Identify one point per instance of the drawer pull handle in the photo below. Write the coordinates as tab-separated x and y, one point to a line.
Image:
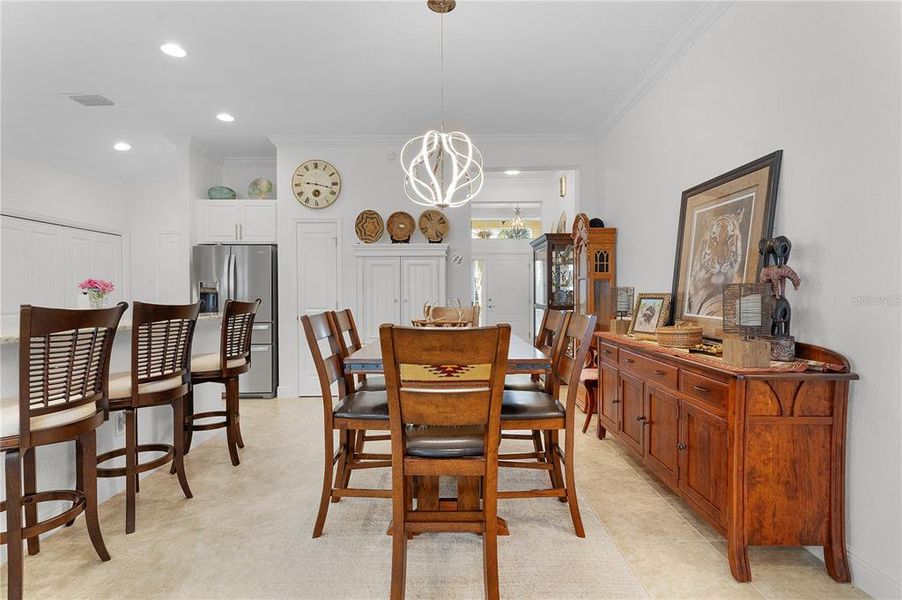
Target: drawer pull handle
681	446
629	360
701	389
606	351
659	372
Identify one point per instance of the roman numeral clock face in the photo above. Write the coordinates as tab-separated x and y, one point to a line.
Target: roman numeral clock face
316	184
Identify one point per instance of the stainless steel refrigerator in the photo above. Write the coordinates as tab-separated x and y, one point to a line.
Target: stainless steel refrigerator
244	272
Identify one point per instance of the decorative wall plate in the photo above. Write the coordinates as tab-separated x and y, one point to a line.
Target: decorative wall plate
434	225
400	227
221	192
259	188
369	226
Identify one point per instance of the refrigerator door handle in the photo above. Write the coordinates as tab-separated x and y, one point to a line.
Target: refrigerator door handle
233	277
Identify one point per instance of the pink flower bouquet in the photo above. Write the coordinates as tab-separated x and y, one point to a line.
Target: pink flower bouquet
97	290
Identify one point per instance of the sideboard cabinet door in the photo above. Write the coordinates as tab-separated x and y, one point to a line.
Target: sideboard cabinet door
608	402
662	433
380	277
703	459
632	405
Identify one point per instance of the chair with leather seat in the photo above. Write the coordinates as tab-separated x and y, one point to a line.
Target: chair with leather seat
544	412
444	400
159	376
355	411
553	322
349	342
64	363
224	367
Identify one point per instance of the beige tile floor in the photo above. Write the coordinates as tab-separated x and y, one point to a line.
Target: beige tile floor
673	553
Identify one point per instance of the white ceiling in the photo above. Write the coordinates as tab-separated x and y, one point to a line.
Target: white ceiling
319	68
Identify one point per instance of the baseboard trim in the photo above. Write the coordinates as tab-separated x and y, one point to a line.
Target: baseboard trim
287	391
872	580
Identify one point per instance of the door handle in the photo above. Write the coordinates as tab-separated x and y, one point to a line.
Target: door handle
681	446
615	401
240	231
642	419
236	231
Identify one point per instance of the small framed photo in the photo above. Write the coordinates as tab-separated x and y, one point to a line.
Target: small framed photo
651	311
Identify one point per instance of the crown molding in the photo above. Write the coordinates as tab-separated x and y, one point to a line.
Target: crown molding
686	37
249	160
398	141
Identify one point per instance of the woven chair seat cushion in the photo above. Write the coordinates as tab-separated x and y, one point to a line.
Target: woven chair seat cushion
9	416
523	383
444	442
120	385
372	383
203	363
367	405
530	405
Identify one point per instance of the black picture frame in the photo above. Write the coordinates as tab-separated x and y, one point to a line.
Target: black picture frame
773	163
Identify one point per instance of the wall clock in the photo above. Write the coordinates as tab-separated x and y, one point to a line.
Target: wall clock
316	184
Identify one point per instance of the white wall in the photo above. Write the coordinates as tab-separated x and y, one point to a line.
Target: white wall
822	82
237	173
372	179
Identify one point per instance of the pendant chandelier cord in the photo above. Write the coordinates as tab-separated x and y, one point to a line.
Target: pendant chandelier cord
441	37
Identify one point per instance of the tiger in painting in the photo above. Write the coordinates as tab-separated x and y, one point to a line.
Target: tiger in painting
718	261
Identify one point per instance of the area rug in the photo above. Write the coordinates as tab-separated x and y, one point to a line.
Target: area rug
542	557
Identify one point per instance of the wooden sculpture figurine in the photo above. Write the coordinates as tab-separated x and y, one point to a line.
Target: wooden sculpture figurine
775	272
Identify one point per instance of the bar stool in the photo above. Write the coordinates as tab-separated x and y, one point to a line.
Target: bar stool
224	367
64	363
159	375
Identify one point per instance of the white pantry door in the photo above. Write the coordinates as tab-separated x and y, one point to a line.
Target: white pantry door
318	285
508	291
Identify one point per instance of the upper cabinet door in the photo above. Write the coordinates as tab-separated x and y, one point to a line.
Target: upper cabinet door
421	282
258	222
218	221
33	266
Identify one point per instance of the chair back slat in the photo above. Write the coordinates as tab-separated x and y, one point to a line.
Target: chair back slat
64	360
161	341
575	341
319	331
444	377
553	322
237	329
348	340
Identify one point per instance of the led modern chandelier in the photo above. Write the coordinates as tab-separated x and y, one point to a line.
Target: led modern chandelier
441	170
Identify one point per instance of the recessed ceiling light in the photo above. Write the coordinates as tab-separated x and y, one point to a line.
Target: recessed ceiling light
173	50
512	172
122	146
225	117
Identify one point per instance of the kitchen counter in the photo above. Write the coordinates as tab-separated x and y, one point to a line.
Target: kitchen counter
124	325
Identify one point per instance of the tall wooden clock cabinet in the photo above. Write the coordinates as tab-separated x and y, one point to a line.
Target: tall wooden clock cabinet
595	265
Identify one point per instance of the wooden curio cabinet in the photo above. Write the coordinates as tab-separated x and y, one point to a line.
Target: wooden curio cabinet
594	260
553	272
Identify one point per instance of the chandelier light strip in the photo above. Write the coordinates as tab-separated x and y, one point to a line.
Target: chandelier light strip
427	159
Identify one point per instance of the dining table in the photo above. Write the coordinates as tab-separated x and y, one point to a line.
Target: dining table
522	357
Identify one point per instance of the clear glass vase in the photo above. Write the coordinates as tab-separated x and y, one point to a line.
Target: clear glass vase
96	299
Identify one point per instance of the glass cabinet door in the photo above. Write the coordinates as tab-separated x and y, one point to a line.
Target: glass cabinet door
540	273
561	293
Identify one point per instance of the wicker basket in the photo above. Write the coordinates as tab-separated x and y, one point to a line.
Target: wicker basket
681	335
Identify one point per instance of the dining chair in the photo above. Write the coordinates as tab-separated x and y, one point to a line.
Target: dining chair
355	411
224	367
588	379
541	411
349	342
548	340
159	376
444	402
64	364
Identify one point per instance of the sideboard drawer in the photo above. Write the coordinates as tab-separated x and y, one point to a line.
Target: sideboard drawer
608	353
656	371
705	389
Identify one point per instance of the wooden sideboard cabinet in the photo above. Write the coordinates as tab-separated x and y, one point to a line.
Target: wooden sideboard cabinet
760	456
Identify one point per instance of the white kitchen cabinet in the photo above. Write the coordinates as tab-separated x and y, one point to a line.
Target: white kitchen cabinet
247	221
394	281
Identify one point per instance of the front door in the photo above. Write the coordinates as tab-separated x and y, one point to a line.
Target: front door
506	281
318	274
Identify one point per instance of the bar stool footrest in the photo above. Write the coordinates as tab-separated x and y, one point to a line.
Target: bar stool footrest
155	463
192	426
74	496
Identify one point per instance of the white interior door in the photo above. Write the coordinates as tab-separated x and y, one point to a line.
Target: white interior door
318	281
507	281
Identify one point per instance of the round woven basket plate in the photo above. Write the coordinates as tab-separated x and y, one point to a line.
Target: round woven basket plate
369	227
400	227
434	225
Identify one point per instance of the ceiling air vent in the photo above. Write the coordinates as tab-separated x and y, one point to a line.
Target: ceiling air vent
90	99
